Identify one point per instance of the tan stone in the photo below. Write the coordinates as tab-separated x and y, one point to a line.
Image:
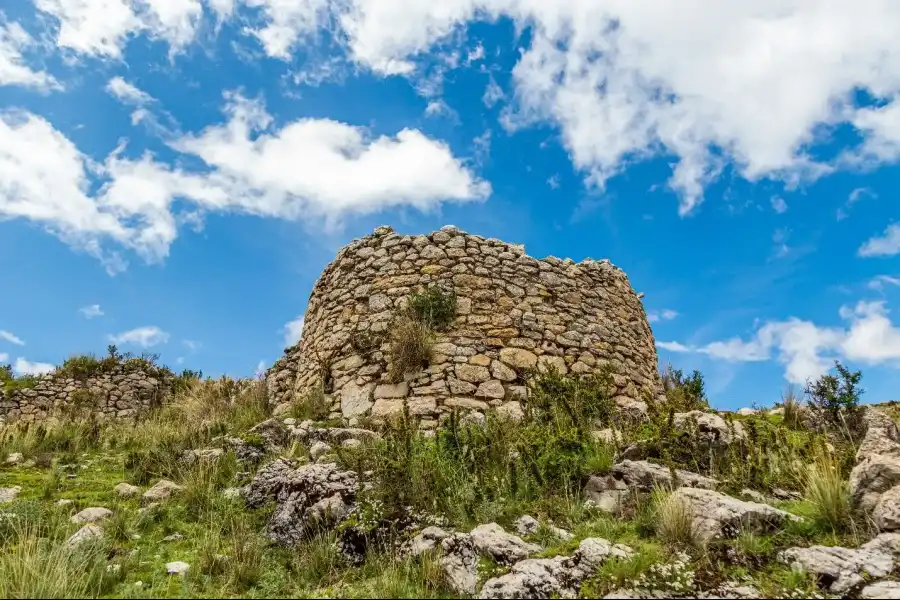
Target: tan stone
518	358
472	373
392	390
387	408
480	359
463	402
491	389
422	406
502	372
547	363
461	388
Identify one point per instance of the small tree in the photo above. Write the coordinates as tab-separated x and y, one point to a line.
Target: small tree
684	392
835	399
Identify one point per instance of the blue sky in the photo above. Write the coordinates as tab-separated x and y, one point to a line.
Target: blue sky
174	174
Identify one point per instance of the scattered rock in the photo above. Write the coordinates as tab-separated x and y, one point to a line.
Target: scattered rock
714	431
842	569
882	590
716	514
64	502
553	577
14	458
85	534
459	562
526	525
191	457
8	494
161	490
505	548
233	493
177	568
428	539
91	515
306	495
319	449
173	538
126	490
645	476
605	493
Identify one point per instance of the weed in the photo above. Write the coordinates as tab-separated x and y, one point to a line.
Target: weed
828	493
674	520
410	346
433	307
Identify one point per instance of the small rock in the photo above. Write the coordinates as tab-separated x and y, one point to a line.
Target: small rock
86	533
503	547
177	568
319	449
882	590
173	538
233	493
8	494
842	569
64	502
126	490
14	458
162	490
526	525
459	562
91	515
717	514
754	496
428	539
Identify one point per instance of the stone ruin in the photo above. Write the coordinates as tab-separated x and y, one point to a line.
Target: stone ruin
514	313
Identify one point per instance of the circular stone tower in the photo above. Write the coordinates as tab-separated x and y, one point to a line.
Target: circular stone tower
514	312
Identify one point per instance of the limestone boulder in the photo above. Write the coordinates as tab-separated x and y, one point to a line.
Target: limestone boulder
718	515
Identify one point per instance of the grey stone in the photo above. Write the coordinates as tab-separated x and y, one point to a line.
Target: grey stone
716	514
91	515
8	494
161	490
426	540
645	476
126	490
178	567
842	569
505	548
883	590
85	534
459	563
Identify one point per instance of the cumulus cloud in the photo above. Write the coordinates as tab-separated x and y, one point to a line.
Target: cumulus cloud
309	168
3	357
293	331
779	205
26	367
887	244
102	27
91	311
880	281
13	68
667	314
673	346
807	350
11	338
145	337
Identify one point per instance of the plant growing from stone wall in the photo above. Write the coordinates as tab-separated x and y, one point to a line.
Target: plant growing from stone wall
413	331
9	381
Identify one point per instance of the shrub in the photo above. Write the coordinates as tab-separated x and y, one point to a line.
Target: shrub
434	307
9	381
313	405
684	393
410	350
834	399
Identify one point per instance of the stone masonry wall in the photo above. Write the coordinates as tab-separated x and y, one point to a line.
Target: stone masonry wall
123	393
514	312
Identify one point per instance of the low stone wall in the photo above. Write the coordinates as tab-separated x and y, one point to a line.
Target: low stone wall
515	312
122	393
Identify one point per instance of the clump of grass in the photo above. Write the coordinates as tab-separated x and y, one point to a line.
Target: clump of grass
313	405
793	409
674	520
10	382
411	342
43	567
829	494
317	562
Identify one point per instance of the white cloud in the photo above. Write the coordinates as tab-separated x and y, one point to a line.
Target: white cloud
13	69
260	369
26	367
807	350
779	241
91	311
492	94
293	331
779	205
667	314
625	80
673	346
3	357
309	169
878	282
127	93
553	182
9	337
144	337
102	27
888	244
192	345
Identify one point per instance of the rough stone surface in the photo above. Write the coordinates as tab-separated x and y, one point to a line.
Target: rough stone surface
91	515
459	562
644	476
177	568
714	431
882	590
426	540
123	393
514	313
505	548
553	577
8	494
307	497
717	514
875	479
841	569
526	525
85	534
161	490
126	490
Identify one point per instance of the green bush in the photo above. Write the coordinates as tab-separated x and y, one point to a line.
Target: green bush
684	393
433	307
834	400
9	381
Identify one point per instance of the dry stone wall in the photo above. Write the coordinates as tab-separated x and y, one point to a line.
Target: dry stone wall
514	313
124	392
